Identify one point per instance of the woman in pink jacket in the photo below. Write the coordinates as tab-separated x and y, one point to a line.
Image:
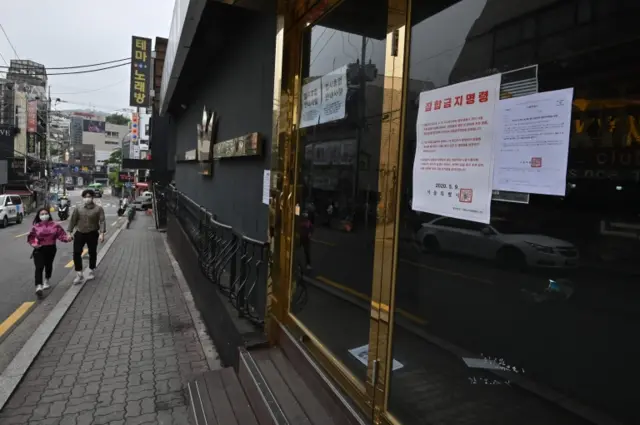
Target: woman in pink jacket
42	237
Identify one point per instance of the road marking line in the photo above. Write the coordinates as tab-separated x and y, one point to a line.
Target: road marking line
409	316
15	316
70	263
21	235
449	272
344	288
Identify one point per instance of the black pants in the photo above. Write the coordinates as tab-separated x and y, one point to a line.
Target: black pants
43	259
79	241
306	247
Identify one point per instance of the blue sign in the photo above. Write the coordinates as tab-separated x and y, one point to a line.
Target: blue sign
76	169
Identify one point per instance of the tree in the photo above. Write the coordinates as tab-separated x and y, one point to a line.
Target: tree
117	119
114	180
115	158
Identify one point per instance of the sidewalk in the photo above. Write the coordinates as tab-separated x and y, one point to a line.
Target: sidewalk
124	351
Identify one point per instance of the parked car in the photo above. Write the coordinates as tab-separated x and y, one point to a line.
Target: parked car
11	210
97	189
143	202
497	242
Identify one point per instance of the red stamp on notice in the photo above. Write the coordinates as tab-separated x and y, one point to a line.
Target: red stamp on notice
466	196
536	162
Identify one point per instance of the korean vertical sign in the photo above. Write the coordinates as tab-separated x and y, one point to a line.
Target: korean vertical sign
140	72
32	125
453	166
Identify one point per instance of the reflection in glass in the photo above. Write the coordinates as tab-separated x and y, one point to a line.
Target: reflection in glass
341	113
530	319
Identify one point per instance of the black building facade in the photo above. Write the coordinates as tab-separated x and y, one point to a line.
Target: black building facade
527	317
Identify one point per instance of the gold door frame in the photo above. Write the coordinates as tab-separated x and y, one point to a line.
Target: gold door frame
292	19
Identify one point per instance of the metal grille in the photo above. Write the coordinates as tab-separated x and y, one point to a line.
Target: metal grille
237	264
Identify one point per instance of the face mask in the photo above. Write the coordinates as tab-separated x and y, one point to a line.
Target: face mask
44	217
87	201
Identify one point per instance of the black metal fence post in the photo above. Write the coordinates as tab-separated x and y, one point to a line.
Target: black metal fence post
223	253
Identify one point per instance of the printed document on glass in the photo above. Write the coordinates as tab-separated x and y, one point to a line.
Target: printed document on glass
266	187
311	103
532	143
452	170
334	95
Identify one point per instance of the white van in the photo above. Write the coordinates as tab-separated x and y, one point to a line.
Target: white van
11	210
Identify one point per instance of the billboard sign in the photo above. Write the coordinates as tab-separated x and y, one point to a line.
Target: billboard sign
32	116
140	72
124	176
31	143
92	126
135	127
7	109
144	127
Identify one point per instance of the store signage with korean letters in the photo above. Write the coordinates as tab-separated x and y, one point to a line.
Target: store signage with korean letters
471	144
247	145
140	72
32	116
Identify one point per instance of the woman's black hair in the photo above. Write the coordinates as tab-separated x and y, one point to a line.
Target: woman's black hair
88	192
36	219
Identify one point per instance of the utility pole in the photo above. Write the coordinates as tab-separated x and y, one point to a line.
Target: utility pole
362	86
48	142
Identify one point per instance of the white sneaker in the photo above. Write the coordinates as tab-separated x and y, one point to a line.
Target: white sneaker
45	285
39	289
90	275
79	278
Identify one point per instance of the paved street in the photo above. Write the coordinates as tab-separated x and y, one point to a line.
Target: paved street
125	349
17	270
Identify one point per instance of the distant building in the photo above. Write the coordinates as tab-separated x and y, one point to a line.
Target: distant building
27	72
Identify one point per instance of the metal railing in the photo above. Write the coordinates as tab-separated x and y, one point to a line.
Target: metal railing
236	263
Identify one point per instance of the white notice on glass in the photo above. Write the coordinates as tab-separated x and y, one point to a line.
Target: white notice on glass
311	103
452	171
532	143
362	354
334	95
266	187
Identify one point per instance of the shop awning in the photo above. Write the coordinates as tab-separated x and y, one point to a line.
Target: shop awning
142	185
19	192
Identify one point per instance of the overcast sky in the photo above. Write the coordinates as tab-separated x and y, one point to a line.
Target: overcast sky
60	33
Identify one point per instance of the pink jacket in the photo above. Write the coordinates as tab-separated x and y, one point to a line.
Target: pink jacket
46	233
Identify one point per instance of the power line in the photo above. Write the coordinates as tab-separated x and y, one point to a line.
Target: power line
94	90
10	43
91	65
325	45
90	70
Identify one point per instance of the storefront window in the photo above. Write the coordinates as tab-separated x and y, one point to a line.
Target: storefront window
531	317
341	113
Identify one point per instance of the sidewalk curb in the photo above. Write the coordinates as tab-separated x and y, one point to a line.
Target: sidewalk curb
15	371
210	352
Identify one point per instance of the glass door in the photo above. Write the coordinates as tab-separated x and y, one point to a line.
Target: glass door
345	175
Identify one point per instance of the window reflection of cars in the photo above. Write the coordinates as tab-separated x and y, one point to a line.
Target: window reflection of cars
496	242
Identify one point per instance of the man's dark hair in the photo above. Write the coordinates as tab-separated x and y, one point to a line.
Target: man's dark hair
88	192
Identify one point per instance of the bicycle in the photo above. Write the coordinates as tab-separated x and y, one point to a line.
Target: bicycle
299	295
